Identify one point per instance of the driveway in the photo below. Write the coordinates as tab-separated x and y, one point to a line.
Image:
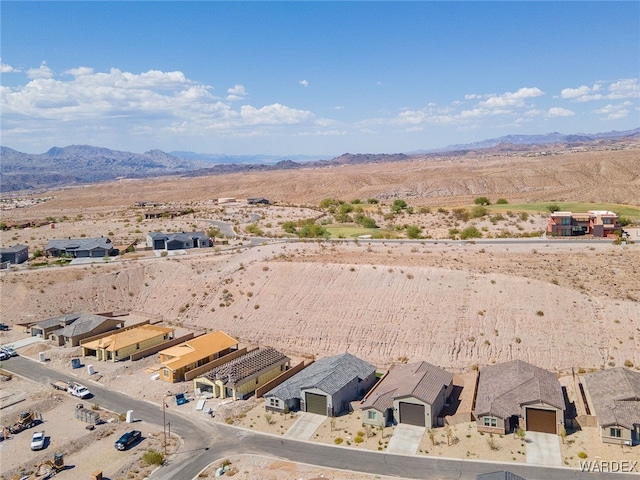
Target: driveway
543	449
406	439
305	426
24	342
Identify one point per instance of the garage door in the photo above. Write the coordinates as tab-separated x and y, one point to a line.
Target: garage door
541	420
316	403
412	414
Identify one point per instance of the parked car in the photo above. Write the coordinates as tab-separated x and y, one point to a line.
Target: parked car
180	399
3	355
128	439
9	351
37	441
4	327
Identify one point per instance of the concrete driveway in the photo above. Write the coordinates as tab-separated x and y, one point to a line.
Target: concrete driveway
543	449
405	439
305	426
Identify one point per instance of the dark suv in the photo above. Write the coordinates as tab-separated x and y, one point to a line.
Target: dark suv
128	439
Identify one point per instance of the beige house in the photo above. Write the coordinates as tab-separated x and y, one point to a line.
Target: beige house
240	377
121	344
517	394
409	393
180	359
615	398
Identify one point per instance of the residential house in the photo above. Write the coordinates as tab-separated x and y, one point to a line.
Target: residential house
178	360
178	241
325	387
615	397
598	223
121	344
167	213
14	255
411	393
239	378
70	329
81	247
517	394
258	201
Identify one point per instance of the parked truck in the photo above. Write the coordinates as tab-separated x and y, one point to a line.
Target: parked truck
73	388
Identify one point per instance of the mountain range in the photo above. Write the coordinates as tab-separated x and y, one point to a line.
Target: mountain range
82	164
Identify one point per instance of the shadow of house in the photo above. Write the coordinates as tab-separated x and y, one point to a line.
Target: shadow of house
326	387
412	393
69	330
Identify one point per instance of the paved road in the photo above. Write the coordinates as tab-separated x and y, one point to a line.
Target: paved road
206	441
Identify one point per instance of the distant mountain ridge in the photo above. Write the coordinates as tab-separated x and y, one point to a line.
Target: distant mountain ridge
82	164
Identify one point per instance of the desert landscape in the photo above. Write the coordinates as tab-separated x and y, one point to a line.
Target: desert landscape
460	304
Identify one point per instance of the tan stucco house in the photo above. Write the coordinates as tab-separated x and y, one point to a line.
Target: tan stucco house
615	397
240	377
194	353
121	344
517	394
411	393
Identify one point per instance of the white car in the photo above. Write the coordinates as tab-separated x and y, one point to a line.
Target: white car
9	351
37	441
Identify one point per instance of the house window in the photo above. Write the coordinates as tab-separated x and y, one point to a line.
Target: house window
273	402
165	372
566	221
137	346
371	415
490	422
615	432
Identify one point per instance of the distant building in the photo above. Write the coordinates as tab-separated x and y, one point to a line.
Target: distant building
258	201
15	255
178	241
599	223
72	328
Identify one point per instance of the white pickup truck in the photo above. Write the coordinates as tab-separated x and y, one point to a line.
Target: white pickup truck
73	388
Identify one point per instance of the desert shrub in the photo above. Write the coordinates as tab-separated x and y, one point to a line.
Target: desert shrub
460	214
338	440
501	201
553	207
398	205
478	211
358	439
413	231
372	201
582	455
540	313
470	232
153	457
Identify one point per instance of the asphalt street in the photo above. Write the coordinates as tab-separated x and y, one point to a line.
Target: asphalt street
207	441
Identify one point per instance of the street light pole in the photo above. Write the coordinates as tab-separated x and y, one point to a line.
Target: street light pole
164	424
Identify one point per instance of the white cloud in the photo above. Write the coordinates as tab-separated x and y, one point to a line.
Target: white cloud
237	92
275	114
627	88
4	68
512	99
304	83
623	88
42	72
559	112
614	112
78	72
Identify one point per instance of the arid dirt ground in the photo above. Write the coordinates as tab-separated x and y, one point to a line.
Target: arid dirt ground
559	305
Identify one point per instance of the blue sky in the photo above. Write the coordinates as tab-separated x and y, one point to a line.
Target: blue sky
318	78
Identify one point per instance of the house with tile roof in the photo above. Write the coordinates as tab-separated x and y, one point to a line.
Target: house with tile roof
325	387
239	378
120	345
70	329
517	394
80	247
615	397
185	357
411	393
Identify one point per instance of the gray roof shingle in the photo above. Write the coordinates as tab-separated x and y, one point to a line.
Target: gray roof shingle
421	380
615	394
329	374
505	387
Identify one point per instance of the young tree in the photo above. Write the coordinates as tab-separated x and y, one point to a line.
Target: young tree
482	201
398	205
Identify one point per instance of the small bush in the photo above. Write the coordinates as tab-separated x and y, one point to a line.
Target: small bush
540	313
153	457
582	455
501	201
358	439
338	440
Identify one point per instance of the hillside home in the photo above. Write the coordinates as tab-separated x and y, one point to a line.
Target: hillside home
599	223
14	255
239	378
326	387
194	353
69	330
615	397
409	393
121	344
178	241
80	247
517	394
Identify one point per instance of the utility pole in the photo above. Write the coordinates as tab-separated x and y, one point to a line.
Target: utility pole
164	423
